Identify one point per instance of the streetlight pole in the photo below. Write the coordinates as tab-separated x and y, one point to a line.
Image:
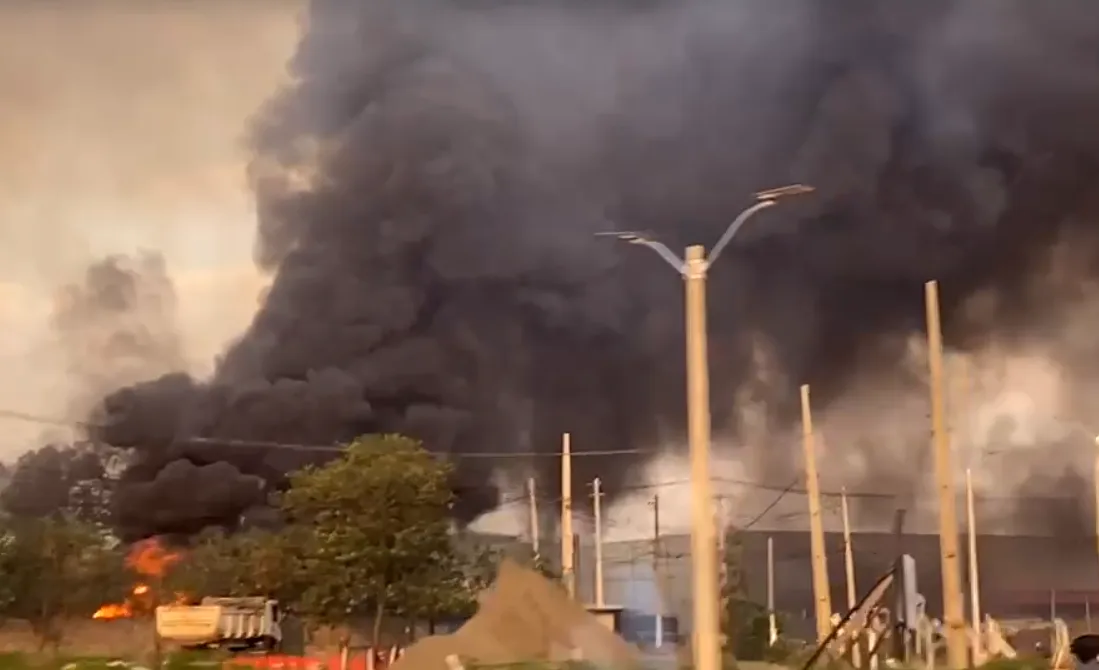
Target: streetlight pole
707	617
694	268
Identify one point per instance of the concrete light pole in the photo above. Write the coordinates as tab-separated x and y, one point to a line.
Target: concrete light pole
694	268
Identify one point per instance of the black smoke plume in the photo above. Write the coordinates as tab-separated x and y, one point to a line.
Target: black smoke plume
114	326
429	181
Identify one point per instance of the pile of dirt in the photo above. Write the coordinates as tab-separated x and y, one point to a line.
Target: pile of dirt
524	617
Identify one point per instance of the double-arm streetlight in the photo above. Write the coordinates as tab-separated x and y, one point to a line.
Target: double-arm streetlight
694	268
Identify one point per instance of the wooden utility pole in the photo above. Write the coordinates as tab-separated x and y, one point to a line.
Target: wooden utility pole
959	411
598	513
772	621
567	541
849	568
532	499
953	610
821	590
974	578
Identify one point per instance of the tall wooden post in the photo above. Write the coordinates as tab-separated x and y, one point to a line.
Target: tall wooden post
953	610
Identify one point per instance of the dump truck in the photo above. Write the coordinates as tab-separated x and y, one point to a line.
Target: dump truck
234	624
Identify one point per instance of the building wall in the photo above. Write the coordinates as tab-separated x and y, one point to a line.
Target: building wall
1019	576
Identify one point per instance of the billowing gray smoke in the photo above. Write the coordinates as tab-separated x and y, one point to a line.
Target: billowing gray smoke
429	184
117	326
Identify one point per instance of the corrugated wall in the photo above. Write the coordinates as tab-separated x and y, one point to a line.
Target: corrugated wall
1018	574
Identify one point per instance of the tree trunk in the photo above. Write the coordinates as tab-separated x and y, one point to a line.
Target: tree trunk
47	636
379	612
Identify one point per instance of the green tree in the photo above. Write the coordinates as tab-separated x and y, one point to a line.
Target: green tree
69	480
379	533
447	590
56	567
249	563
744	623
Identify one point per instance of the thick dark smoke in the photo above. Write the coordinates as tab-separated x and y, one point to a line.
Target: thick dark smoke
114	326
429	183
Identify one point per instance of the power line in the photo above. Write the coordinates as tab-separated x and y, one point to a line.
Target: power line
757	518
49	421
260	444
330	448
291	446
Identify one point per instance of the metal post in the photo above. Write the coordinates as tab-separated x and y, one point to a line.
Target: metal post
822	595
974	578
535	546
772	622
598	512
953	610
849	568
657	572
567	540
1095	483
707	650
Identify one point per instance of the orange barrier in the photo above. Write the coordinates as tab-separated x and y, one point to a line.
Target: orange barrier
364	659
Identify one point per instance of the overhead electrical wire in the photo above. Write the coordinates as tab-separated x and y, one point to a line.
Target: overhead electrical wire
17	415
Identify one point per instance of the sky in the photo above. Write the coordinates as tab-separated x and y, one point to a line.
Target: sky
122	129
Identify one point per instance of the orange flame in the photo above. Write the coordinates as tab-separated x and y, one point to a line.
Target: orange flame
113	611
150	559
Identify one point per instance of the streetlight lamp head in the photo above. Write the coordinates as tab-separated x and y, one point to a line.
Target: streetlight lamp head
783	192
631	236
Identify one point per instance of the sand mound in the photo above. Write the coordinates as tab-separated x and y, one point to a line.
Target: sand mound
524	617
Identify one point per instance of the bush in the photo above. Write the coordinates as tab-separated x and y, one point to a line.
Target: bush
13	661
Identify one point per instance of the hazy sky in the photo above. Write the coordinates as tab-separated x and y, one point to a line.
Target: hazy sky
121	129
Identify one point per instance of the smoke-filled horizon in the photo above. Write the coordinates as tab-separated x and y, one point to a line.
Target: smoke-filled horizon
123	129
429	182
